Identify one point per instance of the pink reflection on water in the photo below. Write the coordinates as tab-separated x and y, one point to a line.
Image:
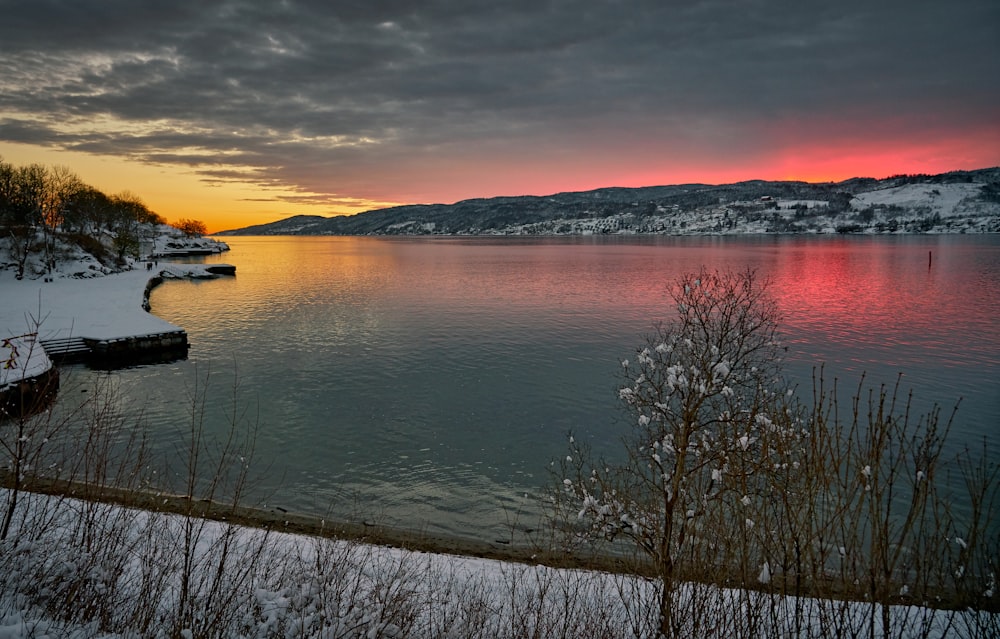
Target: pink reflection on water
895	304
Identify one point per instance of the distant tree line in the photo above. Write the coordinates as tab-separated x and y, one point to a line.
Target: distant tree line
39	204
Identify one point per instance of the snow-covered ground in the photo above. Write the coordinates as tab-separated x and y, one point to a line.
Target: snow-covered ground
909	208
170	242
21	357
130	579
81	297
948	200
102	308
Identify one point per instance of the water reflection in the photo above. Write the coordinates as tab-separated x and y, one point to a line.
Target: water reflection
882	307
432	381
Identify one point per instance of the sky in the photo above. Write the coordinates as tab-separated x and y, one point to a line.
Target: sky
241	112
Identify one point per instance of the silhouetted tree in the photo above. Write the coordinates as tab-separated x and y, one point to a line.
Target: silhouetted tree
128	212
190	228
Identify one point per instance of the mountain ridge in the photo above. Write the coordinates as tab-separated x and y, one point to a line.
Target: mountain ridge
953	202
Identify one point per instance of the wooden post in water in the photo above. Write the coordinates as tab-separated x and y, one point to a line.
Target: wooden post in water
930	256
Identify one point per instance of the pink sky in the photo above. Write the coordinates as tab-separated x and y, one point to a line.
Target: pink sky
262	111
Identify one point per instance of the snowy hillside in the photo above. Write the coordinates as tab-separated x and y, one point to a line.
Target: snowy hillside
957	202
80	257
947	200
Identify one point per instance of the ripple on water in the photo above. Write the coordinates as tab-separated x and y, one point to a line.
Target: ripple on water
433	382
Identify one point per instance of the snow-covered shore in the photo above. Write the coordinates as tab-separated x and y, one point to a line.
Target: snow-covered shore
176	576
103	308
21	358
171	245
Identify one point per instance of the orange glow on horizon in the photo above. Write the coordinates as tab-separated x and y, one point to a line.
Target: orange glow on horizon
175	192
813	152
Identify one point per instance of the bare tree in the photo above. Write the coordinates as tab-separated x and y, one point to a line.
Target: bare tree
190	228
23	214
129	211
60	187
708	408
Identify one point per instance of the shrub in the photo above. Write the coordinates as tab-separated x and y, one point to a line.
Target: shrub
727	479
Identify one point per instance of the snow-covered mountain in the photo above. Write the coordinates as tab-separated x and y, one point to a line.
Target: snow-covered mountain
956	202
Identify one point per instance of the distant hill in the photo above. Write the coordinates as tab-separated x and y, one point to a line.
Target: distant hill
288	226
956	202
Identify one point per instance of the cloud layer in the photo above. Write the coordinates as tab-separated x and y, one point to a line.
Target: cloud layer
435	101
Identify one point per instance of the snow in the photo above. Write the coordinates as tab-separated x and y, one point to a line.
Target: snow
430	588
945	199
809	204
21	357
170	242
765	574
100	308
105	307
959	205
278	584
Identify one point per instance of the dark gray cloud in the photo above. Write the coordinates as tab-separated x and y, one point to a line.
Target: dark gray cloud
312	93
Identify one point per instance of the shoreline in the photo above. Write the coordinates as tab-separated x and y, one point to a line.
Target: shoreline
103	321
280	520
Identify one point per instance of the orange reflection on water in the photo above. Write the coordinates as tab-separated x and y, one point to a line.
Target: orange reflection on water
351	313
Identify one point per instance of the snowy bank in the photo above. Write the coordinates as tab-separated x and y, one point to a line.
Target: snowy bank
27	376
21	357
161	575
97	310
171	243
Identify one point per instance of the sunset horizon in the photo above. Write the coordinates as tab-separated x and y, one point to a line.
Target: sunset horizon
178	194
242	114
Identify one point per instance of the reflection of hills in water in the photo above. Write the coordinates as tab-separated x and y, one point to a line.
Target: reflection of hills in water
957	202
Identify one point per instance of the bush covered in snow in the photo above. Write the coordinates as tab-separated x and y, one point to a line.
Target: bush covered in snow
727	478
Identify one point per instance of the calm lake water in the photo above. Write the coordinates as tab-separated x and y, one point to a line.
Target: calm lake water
429	383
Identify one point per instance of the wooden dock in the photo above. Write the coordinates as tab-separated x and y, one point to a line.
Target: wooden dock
118	352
